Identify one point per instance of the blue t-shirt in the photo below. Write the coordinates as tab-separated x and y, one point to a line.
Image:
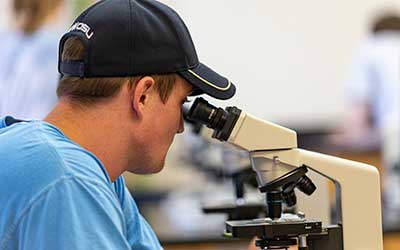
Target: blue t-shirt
56	195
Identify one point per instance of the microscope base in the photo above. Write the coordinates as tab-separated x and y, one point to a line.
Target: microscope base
281	235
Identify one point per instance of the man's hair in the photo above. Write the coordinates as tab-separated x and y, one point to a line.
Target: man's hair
90	90
33	13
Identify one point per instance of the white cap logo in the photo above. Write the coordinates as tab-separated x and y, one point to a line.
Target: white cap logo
82	27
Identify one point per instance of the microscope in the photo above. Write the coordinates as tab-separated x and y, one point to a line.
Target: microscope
281	168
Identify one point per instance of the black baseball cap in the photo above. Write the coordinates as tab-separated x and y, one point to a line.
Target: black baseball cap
139	37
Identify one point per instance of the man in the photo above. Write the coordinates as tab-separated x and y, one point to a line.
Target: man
127	66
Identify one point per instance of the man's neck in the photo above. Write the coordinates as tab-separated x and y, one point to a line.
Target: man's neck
87	127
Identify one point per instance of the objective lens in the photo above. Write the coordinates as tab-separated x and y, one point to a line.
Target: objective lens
290	198
306	185
274	202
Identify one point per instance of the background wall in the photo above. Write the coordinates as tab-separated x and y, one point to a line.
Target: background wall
4	13
288	59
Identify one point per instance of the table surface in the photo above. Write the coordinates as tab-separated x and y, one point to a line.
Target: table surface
391	241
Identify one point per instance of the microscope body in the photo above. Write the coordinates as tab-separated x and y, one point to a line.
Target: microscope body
281	166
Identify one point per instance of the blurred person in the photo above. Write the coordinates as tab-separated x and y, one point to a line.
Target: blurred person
127	68
28	58
373	114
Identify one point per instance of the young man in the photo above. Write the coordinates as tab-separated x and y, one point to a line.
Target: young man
127	66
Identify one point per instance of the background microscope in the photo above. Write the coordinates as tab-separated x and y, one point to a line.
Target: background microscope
226	163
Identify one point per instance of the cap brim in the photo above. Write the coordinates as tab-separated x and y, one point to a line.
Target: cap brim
207	81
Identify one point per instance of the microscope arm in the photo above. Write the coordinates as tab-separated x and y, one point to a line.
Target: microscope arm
273	152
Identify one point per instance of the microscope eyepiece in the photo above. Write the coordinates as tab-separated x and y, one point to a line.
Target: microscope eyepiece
207	114
220	120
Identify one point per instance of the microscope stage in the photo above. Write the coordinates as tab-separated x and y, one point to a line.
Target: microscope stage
272	229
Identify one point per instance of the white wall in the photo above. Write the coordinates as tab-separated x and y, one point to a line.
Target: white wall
288	59
4	13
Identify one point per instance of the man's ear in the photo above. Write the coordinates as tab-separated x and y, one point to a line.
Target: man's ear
141	94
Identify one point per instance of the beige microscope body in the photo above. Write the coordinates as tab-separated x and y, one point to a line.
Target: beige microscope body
273	153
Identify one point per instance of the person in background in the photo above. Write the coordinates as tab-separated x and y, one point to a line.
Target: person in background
28	58
373	115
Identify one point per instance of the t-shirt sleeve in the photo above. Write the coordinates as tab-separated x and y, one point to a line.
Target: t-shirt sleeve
140	235
73	214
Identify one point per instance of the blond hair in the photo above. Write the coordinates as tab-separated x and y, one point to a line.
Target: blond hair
33	13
